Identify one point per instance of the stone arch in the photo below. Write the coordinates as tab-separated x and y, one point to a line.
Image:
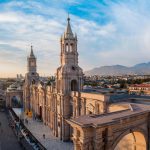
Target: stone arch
137	137
16	101
74	85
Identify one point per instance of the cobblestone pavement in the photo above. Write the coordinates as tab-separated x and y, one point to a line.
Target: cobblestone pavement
50	142
8	140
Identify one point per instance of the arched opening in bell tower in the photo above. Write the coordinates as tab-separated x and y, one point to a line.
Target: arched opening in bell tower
74	85
67	47
71	47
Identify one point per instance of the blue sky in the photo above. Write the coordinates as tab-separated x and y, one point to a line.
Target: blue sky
109	32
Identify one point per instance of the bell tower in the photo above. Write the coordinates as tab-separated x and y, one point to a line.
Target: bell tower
31	77
68	78
69	54
69	74
31	62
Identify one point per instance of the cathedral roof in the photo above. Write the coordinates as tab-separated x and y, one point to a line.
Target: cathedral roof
31	53
68	33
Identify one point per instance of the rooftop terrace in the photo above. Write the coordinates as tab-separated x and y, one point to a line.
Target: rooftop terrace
110	118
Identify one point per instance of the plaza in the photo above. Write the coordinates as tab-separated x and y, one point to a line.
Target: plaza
50	142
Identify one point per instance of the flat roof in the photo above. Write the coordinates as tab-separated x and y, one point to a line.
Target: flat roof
140	85
110	118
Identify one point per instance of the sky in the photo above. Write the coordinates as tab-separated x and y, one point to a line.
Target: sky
109	32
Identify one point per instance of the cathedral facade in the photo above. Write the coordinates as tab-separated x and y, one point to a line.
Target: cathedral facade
63	99
93	121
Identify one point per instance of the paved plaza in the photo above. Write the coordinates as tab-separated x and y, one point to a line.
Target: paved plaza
50	142
8	140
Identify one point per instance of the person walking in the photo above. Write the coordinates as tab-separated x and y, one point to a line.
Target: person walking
43	136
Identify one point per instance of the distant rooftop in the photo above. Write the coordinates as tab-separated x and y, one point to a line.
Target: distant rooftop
125	97
103	90
140	85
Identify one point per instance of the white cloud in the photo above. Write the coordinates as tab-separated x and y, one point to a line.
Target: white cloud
124	39
8	18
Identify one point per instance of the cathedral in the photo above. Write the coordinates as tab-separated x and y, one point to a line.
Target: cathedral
92	120
53	103
63	99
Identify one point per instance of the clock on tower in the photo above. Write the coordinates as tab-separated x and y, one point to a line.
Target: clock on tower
32	64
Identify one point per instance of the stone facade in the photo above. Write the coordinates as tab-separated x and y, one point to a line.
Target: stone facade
62	105
31	77
128	129
14	95
139	89
63	99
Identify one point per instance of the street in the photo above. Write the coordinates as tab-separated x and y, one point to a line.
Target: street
8	140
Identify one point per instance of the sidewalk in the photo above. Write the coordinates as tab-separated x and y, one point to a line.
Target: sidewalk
50	142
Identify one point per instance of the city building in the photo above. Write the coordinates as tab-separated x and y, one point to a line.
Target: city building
63	98
14	95
140	89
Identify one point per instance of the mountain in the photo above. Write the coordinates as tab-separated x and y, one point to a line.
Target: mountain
140	69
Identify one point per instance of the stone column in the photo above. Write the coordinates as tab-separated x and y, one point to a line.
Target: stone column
99	139
77	106
65	130
109	136
76	142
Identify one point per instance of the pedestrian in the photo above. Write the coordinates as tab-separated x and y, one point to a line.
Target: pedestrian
26	121
43	136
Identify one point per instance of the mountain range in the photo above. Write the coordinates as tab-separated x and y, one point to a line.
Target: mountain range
139	69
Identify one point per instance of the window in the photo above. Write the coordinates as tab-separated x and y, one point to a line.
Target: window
74	85
67	48
71	48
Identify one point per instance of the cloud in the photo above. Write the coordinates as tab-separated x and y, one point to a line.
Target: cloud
114	32
129	43
8	18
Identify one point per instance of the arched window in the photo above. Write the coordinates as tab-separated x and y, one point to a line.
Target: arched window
71	47
67	47
74	85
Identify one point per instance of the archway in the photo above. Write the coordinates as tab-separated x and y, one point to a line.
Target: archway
16	102
132	141
74	85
